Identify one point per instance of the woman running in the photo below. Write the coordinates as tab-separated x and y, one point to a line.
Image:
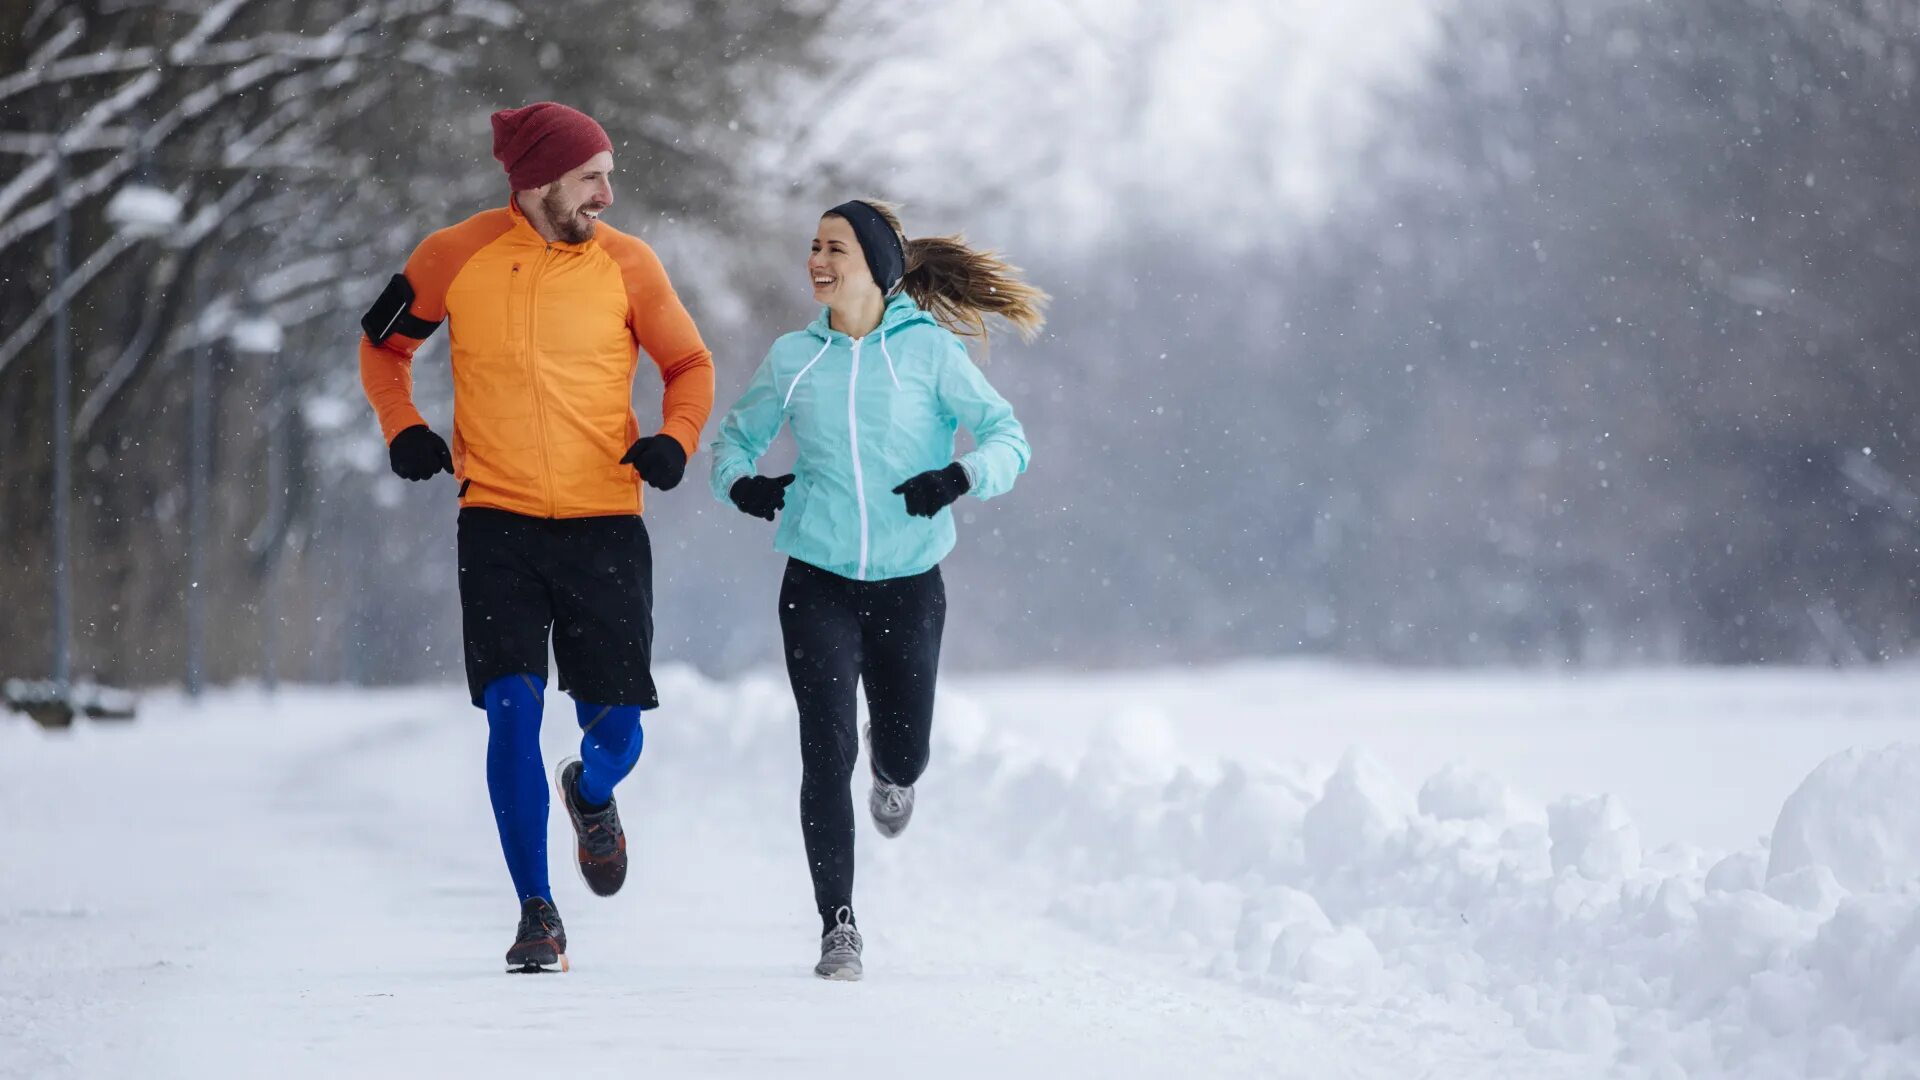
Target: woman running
874	390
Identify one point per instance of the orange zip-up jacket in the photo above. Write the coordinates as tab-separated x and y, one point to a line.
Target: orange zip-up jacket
543	354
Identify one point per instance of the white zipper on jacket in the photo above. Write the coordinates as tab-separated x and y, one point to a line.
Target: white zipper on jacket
853	437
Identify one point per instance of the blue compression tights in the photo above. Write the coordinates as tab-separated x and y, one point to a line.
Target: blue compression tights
610	741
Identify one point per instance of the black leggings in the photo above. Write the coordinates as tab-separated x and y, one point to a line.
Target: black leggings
885	634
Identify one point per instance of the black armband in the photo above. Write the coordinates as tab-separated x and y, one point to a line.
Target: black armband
391	314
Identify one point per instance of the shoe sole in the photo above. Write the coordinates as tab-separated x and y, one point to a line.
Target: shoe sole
554	968
838	976
560	790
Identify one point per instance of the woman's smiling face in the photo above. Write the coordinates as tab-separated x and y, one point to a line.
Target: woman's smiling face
838	266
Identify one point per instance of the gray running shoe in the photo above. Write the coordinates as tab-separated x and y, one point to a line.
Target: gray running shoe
840	950
890	804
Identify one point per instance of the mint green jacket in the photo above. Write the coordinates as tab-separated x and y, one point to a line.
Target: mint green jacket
868	413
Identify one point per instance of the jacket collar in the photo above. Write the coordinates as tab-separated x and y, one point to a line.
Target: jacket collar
900	311
532	235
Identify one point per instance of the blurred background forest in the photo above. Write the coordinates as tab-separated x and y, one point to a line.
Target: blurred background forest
1480	332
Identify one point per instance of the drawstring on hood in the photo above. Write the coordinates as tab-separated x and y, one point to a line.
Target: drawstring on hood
889	356
795	384
901	312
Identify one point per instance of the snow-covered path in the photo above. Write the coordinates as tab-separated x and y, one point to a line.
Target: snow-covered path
310	886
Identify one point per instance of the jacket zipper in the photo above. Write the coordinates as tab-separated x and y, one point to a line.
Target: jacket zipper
533	377
853	437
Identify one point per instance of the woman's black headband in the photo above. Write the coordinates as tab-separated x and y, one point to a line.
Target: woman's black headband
885	257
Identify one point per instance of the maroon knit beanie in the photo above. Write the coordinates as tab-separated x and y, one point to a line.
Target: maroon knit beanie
539	143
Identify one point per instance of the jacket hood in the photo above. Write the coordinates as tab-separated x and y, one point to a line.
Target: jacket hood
901	312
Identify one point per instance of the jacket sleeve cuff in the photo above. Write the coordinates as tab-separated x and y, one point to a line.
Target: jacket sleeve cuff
685	434
724	478
396	420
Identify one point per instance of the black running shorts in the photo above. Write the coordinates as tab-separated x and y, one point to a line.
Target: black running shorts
587	582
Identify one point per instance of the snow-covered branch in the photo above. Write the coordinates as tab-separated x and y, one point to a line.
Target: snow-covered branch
102	258
41	170
137	349
260	60
193	234
212	21
79	67
59	41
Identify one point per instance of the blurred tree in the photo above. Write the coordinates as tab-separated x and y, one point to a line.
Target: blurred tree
1666	245
309	146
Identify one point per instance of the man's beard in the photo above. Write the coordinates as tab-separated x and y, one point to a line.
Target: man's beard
567	222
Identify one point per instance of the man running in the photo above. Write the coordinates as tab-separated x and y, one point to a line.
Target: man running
546	305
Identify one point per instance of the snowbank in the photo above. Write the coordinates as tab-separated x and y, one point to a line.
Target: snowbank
1343	887
1857	816
1802	961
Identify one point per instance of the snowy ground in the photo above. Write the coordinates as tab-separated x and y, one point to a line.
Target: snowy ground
1184	871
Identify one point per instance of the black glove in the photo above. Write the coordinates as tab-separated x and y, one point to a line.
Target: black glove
931	491
761	496
658	459
417	453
